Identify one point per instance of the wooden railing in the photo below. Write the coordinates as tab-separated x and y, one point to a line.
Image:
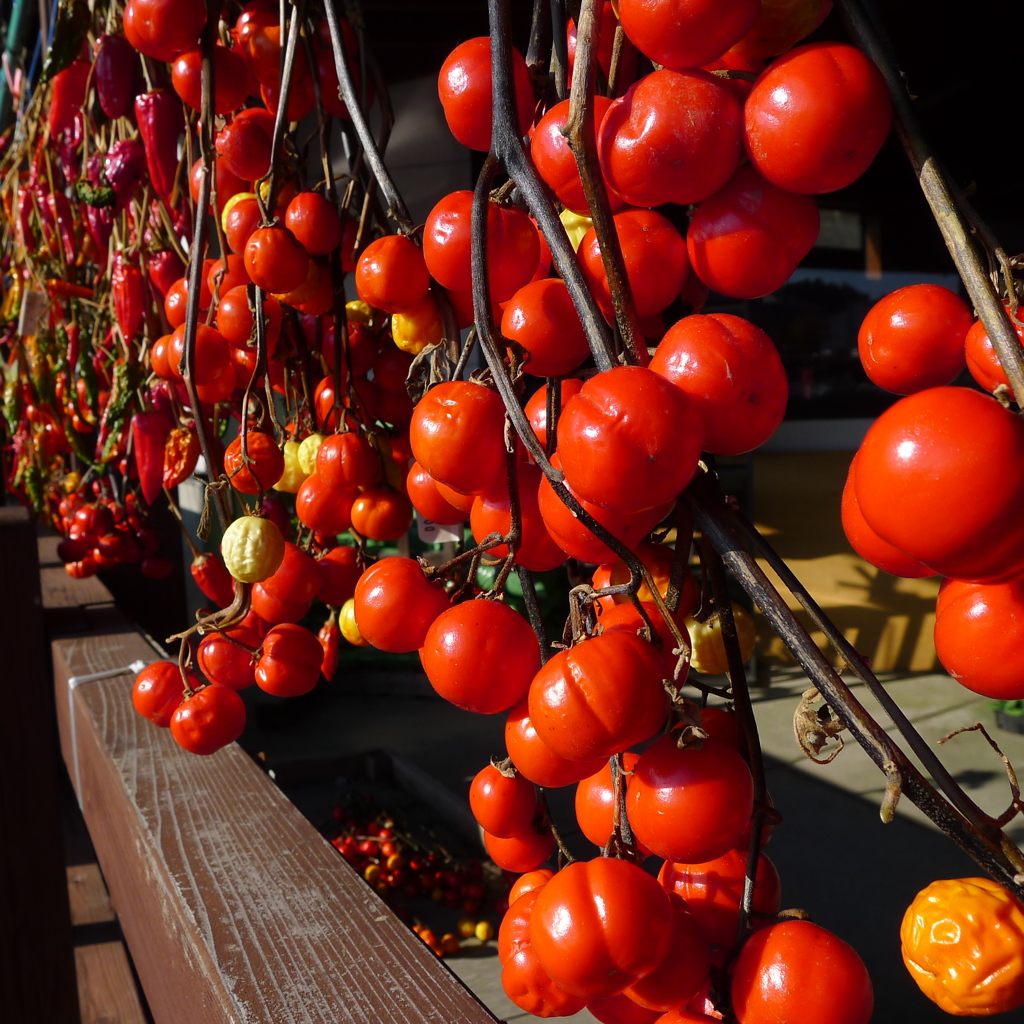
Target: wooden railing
233	907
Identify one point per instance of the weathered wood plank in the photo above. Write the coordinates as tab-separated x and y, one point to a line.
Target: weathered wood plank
61	591
87	895
233	907
37	968
106	987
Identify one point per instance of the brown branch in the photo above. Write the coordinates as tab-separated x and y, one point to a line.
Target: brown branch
864	26
579	134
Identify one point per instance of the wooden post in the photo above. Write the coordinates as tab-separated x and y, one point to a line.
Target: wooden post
233	907
37	965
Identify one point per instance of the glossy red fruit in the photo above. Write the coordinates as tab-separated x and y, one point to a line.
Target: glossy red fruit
714	890
339	572
796	970
542	319
481	656
530	987
323	509
391	274
290	663
686	33
275	259
913	338
674	137
210	719
230	77
732	373
747	239
457	435
503	805
395	604
690	804
595	801
491	513
265	466
315	222
979	629
599	697
940	475
869	545
227	663
523	852
982	360
630	440
555	162
158	690
684	968
428	500
599	926
816	118
535	760
575	539
654	255
464	87
513	246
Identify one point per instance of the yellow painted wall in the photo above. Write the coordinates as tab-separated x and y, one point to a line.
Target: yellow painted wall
889	620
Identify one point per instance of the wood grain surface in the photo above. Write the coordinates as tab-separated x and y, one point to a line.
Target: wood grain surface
61	591
233	907
87	895
106	987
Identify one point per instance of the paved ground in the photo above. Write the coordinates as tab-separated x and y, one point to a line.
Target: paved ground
837	860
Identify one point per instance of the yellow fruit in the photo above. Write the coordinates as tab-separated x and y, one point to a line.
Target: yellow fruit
709	647
252	549
466	927
307	452
293	475
358	312
576	226
419	326
347	625
484	931
962	940
231	204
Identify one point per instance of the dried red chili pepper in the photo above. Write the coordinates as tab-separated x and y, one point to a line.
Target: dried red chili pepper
67	96
114	75
181	453
25	206
213	578
161	120
149	436
128	287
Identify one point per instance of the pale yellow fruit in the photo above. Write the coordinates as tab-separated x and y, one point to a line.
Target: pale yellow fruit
347	625
252	549
709	647
307	452
293	475
484	931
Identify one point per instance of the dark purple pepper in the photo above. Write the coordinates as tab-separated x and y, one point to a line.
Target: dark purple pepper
114	74
161	120
125	167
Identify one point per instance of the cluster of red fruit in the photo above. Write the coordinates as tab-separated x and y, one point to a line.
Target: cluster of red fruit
952	449
105	532
401	874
